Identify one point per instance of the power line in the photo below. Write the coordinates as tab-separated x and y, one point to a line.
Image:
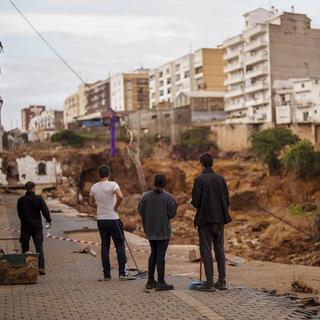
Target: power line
47	43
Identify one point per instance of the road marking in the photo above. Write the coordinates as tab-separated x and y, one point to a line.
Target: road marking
197	305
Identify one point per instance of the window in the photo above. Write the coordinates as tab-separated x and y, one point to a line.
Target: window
198	70
161	93
167	115
161	74
302	85
168	80
42	169
186	74
178	67
178	77
169	91
167	71
317	81
161	83
153	117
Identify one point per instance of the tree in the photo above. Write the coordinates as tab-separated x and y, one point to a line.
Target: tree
68	137
302	159
268	144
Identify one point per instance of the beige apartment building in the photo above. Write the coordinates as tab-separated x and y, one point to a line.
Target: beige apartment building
130	91
273	46
91	98
198	71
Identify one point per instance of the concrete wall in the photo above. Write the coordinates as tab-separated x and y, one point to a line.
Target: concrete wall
28	169
231	138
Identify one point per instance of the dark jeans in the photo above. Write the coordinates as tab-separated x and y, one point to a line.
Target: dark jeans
157	258
37	237
208	234
113	229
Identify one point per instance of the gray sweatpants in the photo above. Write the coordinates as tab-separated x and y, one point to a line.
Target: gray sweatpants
208	234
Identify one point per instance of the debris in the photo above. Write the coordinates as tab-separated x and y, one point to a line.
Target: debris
2	251
194	255
301	287
234	262
86	250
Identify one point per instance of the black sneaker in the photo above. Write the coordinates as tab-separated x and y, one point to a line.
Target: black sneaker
164	286
221	285
208	287
151	284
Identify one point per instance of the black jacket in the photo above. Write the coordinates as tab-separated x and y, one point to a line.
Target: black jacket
156	210
30	207
210	197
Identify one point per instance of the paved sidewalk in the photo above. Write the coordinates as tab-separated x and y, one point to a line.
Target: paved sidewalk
70	290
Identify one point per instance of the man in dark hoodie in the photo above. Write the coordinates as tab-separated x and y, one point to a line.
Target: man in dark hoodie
156	208
30	207
210	197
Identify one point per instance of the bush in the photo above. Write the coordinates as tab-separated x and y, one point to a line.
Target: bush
302	159
268	144
147	144
194	141
68	138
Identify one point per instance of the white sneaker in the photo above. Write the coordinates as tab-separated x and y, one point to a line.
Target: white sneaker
126	277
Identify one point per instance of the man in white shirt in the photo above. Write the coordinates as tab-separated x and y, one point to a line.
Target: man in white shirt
107	196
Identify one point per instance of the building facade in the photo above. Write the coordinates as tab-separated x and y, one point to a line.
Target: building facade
201	70
297	101
272	47
28	113
91	98
130	91
43	126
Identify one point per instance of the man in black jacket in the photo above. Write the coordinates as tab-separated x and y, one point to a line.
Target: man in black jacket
30	207
210	197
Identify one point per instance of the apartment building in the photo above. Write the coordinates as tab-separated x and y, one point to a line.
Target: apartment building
273	46
90	98
71	109
43	126
130	91
28	113
201	70
297	101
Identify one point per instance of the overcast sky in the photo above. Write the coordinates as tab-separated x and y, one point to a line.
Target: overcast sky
101	36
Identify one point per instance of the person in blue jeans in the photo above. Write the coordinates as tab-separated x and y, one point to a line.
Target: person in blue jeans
107	197
156	208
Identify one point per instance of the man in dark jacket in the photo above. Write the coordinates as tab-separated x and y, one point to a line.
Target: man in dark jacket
210	197
156	208
30	207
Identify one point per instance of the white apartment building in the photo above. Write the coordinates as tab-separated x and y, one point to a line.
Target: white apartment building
201	70
43	126
297	101
272	46
71	109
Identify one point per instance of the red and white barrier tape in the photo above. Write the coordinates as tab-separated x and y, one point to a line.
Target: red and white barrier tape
85	242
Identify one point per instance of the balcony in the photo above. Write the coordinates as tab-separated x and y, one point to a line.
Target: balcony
233	41
233	67
257	87
234	93
257	29
232	54
256	73
260	43
259	57
307	103
234	79
233	106
257	102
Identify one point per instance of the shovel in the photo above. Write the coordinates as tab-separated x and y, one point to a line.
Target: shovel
194	284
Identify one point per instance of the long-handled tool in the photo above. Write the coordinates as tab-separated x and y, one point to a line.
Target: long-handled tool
136	269
194	284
